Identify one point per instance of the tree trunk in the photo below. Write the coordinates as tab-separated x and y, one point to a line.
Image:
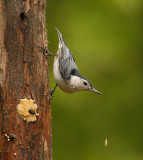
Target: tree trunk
24	77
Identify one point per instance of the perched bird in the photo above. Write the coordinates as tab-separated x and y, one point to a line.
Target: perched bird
66	73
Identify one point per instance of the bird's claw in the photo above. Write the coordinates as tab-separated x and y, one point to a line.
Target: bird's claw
47	53
51	94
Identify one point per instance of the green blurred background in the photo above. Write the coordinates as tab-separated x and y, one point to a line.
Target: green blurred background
106	39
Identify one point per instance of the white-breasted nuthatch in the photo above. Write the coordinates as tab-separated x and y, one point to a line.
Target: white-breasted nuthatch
66	73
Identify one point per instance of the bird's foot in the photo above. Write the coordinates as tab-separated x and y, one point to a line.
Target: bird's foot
47	53
52	92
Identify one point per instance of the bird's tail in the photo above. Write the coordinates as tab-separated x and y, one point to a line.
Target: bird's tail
61	38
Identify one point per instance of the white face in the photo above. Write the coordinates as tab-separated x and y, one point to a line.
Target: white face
79	84
85	84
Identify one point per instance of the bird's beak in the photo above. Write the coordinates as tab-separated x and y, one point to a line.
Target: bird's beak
94	90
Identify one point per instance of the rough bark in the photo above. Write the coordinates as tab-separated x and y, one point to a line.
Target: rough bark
24	74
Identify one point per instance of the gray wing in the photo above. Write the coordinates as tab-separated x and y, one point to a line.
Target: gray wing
66	64
66	60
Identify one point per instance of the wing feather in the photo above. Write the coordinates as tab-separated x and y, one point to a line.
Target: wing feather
66	59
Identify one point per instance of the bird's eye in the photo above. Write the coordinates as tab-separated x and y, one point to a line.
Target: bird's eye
85	83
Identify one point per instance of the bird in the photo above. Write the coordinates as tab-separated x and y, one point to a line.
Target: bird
66	72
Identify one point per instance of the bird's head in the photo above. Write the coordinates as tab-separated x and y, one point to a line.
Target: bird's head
82	84
88	86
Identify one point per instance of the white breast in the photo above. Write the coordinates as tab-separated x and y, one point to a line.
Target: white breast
69	86
63	84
